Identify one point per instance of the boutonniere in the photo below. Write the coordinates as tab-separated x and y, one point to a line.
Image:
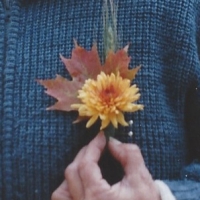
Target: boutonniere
97	90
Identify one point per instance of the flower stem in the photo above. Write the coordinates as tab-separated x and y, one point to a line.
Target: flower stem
109	131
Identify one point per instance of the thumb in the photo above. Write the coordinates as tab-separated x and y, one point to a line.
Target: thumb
61	192
129	155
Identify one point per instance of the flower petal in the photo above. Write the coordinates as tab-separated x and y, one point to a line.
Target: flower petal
121	120
91	121
114	121
104	123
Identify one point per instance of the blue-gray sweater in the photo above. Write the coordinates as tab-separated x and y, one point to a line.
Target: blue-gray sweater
36	145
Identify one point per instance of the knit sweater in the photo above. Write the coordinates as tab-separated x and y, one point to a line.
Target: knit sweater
37	145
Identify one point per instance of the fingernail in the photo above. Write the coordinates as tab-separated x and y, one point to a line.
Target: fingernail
100	134
114	141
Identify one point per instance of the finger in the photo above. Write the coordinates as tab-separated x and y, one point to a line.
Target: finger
129	155
89	170
62	192
95	148
80	155
73	178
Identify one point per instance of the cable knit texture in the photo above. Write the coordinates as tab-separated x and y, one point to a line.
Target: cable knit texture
36	145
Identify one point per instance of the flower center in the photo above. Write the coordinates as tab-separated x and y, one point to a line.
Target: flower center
108	94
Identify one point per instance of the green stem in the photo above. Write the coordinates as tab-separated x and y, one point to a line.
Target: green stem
109	131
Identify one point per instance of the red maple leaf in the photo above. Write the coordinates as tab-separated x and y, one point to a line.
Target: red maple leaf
83	64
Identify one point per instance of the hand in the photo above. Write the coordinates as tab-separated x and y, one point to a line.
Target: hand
84	179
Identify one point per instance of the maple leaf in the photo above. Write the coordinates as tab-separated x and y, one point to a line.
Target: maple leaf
119	62
83	64
63	90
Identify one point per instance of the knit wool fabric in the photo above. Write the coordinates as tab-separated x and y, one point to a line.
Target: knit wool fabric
37	145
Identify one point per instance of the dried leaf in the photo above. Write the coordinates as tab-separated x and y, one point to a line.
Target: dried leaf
83	64
63	90
119	62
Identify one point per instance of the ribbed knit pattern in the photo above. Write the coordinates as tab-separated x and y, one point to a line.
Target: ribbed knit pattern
2	34
37	145
8	101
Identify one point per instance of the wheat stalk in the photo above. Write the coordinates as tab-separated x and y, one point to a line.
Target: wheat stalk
110	38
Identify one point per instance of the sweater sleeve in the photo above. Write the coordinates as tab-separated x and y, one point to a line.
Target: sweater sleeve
188	187
185	189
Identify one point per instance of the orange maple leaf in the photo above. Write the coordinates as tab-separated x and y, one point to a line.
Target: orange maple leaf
119	62
85	65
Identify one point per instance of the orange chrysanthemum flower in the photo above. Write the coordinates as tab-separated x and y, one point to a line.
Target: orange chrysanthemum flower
107	98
